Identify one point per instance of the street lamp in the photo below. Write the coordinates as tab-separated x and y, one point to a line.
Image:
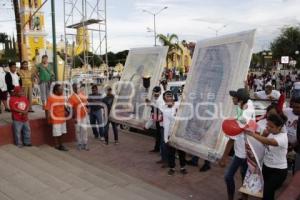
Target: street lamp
218	30
154	20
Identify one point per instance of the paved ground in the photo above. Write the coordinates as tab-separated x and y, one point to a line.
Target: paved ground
131	157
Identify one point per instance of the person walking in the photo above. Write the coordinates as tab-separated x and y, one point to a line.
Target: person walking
95	106
108	100
26	76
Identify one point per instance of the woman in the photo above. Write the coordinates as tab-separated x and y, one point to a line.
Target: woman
27	82
274	163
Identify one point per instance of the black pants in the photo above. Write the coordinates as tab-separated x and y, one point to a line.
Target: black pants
273	179
171	156
115	131
157	137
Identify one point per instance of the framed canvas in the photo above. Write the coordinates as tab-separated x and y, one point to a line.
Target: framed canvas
143	71
219	65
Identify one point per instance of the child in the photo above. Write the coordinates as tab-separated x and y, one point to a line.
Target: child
55	115
275	162
19	106
169	111
78	101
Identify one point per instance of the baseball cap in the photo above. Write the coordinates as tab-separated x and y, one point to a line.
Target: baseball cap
156	89
241	94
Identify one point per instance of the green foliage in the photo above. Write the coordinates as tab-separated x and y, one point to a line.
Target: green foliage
170	40
287	43
92	59
115	58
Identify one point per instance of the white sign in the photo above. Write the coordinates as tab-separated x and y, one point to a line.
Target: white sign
285	60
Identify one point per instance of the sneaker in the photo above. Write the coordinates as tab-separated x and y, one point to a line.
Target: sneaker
171	172
116	142
85	147
79	147
61	148
28	145
205	168
183	171
102	139
7	110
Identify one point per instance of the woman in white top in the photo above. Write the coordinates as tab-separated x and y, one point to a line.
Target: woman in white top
3	89
275	163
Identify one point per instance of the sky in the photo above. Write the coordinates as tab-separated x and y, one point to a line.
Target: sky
191	20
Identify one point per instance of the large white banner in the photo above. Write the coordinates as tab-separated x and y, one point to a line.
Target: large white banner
219	65
143	71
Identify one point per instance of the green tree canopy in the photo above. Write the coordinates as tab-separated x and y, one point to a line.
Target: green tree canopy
287	43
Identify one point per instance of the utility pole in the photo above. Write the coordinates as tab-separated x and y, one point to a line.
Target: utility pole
54	38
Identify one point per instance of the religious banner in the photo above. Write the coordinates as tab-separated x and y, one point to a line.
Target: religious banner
253	183
219	65
143	71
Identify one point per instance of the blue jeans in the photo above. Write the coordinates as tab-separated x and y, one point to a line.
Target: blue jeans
163	148
235	164
97	122
19	128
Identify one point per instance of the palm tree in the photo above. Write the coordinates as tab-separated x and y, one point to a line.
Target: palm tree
18	27
3	39
170	40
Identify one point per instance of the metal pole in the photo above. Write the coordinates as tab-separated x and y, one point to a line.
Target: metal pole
54	38
154	17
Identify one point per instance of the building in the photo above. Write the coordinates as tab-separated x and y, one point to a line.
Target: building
33	29
180	59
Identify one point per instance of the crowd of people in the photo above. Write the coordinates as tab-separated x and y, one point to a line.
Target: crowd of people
278	129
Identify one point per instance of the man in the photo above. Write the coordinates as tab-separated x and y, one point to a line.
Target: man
156	116
268	93
78	101
169	110
3	89
19	106
55	114
244	113
108	100
12	78
95	110
45	75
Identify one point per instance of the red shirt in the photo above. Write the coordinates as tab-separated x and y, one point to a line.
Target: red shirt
19	103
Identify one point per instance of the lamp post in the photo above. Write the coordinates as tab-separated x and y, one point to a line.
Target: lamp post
218	30
154	20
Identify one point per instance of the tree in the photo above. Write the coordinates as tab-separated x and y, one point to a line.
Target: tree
18	27
3	39
287	43
170	40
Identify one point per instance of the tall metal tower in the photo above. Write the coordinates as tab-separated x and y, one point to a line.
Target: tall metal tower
85	28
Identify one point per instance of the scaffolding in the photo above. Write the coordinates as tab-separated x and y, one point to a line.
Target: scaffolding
90	17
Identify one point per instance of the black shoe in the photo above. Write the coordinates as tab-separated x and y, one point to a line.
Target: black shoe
61	148
205	168
27	145
32	111
171	172
154	151
183	171
7	110
191	163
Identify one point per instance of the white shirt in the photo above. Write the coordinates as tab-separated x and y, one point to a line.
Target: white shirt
3	86
258	83
275	157
168	119
239	145
262	95
291	125
15	79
